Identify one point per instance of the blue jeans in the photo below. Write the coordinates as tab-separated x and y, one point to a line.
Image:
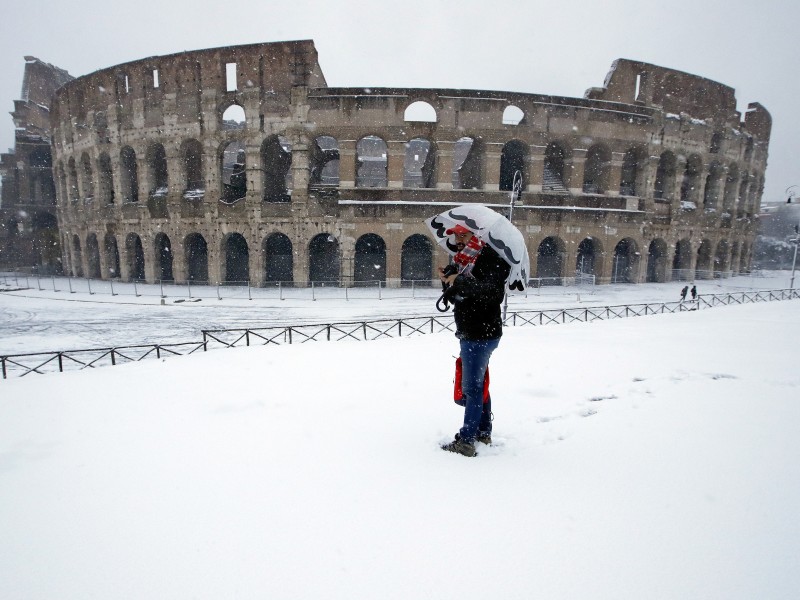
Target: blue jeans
474	361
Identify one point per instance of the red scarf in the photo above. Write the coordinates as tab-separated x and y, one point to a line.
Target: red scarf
466	258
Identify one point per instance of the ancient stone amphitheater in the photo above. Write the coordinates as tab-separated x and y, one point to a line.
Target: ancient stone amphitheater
240	164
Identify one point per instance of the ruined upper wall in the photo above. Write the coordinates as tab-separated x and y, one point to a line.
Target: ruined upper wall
32	111
676	92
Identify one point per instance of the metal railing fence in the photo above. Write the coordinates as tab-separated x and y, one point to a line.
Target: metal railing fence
19	365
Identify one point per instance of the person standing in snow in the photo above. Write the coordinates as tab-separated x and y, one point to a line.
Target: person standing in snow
476	291
694	293
684	291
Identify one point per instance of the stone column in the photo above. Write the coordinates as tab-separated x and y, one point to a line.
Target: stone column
216	257
491	166
444	164
347	164
614	174
536	169
573	171
396	158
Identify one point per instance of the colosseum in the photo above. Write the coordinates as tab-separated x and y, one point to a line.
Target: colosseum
240	164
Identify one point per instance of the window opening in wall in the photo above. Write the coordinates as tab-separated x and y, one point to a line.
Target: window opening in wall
420	112
371	161
466	165
155	78
553	175
234	176
513	115
512	159
325	161
233	117
716	143
276	163
418	167
416	261
230	77
637	94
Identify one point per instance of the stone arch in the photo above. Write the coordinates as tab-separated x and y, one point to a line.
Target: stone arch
72	180
233	171
372	162
682	261
192	168
237	258
77	257
554	178
196	257
513	158
276	165
597	170
690	183
744	258
278	259
731	181
721	257
550	260
420	164
513	115
324	161
416	261
92	257
105	179
665	176
703	268
112	256
741	200
735	258
625	264
657	261
586	262
163	257
712	187
157	176
87	177
420	111
47	249
467	164
233	117
716	143
134	253
324	259
129	175
369	261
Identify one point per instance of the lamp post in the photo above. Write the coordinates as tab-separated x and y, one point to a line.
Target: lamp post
513	198
791	192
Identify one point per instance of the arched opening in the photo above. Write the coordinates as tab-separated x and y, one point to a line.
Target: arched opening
193	175
72	178
233	172
324	161
369	262
711	191
731	183
278	259
112	256
233	117
135	254
744	258
716	143
77	257
87	183
416	261
682	261
420	112
742	199
703	265
721	260
690	184
626	262
323	260
371	162
163	250
735	258
550	261
196	255
596	170
93	256
554	158
587	256
128	173
512	160
276	163
513	115
106	179
237	259
657	261
665	177
467	164
46	246
629	184
157	179
418	168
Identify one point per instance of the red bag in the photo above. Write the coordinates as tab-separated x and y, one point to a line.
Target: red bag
458	394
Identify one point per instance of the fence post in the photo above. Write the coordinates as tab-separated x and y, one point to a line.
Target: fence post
219	296
3	360
111	281
89	285
69	281
38	283
280	290
135	289
54	283
60	364
113	358
379	290
161	287
249	296
189	287
313	297
247	337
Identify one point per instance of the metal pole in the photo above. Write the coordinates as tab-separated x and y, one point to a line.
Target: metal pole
794	260
516	190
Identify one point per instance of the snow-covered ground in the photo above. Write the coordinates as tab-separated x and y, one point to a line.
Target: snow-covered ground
39	320
639	458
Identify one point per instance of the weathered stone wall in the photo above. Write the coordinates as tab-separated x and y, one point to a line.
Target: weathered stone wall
622	185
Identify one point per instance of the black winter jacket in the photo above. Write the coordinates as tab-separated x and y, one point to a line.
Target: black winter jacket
477	298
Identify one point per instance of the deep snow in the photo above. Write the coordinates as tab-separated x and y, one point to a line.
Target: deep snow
651	458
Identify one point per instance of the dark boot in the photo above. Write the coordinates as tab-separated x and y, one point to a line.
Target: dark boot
459	446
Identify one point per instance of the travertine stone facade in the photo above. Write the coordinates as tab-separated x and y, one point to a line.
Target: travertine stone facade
240	163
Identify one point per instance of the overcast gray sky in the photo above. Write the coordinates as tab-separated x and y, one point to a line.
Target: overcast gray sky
532	46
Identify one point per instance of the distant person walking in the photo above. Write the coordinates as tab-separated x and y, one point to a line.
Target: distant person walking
684	291
694	292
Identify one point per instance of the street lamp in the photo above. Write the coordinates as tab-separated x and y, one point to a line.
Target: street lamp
513	198
791	192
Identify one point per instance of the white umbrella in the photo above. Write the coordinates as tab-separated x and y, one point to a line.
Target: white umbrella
491	227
